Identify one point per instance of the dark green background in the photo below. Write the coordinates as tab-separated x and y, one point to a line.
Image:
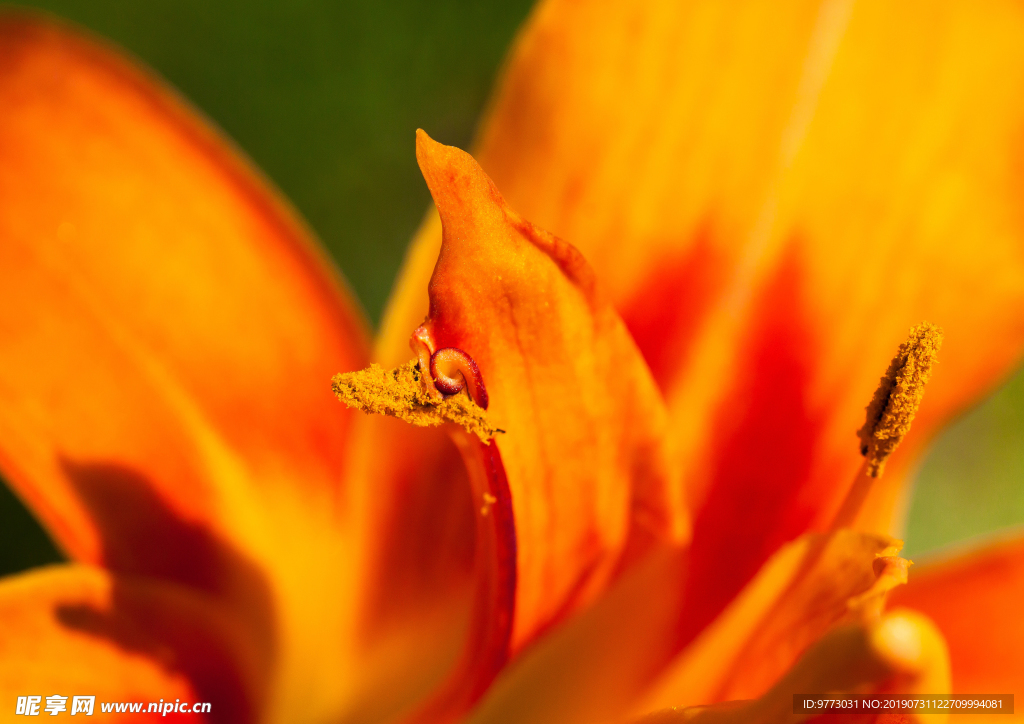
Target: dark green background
325	96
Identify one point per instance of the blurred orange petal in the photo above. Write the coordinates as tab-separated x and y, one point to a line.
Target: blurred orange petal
902	654
592	667
975	600
411	500
160	297
598	665
168	337
415	501
123	640
805	589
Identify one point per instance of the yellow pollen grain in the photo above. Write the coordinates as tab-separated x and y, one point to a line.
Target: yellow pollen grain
898	396
400	393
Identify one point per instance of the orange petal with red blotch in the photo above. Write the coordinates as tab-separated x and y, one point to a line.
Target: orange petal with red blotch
974	599
583	450
773	193
80	631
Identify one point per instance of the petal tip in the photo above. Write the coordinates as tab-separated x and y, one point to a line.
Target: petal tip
423	143
453	176
431	156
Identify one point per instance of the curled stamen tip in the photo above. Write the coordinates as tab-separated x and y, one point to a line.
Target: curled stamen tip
422	344
421	338
898	396
453	371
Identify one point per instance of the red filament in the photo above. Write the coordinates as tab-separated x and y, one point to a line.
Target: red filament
453	370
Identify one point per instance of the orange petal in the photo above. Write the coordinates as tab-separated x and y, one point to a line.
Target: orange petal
158	293
412	503
417	511
901	655
167	345
597	666
584	449
584	425
805	589
592	667
78	631
975	601
773	194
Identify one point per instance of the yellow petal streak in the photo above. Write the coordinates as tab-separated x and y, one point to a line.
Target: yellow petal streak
898	396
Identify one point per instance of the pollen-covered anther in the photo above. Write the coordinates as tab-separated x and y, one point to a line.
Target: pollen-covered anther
401	393
898	396
453	371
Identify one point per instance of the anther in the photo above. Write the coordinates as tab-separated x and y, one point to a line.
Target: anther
401	393
453	371
898	396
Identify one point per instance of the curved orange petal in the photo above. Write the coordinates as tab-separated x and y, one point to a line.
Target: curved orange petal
583	425
974	599
590	480
806	588
79	631
773	194
900	655
168	339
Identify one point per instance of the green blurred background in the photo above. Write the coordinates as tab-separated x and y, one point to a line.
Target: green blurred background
325	96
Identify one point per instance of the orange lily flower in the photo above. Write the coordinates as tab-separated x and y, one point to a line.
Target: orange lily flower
663	508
